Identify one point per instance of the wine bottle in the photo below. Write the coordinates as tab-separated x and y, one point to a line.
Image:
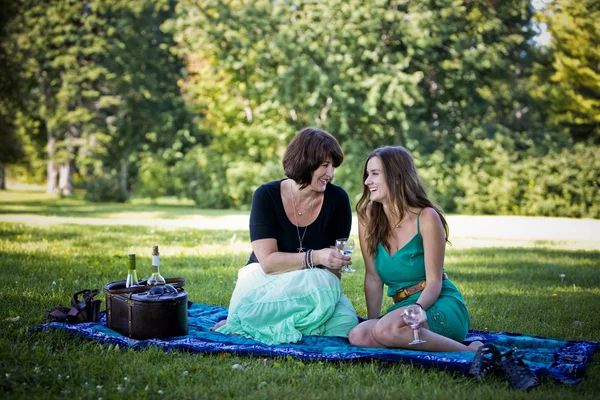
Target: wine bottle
156	279
132	279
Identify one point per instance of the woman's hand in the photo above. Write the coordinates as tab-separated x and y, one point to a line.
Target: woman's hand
330	259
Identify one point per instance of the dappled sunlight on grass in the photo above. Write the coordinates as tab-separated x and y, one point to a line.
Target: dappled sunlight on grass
536	287
506	289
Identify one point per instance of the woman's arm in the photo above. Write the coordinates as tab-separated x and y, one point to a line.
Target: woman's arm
434	246
373	283
273	261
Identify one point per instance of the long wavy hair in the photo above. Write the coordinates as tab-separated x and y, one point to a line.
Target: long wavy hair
405	189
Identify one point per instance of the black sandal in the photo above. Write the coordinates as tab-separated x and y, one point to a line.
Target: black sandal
518	373
83	309
482	365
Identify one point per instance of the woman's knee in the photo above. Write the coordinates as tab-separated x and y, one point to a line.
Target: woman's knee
360	336
385	333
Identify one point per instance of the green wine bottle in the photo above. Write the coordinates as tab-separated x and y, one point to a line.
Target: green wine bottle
132	279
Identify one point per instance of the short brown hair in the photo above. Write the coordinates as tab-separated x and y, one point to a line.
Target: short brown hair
309	149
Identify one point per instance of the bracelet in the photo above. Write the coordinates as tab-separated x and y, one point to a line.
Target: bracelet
308	259
420	306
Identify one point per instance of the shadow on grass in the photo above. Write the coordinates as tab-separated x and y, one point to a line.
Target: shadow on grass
525	267
78	208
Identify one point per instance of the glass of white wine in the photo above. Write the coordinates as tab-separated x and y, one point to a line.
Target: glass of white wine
346	247
412	315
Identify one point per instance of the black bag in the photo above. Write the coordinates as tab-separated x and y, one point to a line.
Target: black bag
146	312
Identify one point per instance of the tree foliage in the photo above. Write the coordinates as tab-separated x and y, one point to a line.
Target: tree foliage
570	85
199	99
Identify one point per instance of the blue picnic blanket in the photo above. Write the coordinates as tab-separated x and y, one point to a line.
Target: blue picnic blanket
563	360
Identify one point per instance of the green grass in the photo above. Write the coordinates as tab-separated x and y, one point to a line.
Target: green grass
507	289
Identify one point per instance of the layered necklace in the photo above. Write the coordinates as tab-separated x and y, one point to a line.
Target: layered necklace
310	206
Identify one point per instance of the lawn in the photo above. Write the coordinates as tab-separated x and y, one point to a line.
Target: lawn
516	288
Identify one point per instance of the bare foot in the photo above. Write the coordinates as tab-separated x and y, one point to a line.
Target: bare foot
223	322
473	346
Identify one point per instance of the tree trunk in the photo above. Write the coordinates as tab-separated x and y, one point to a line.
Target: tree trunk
65	177
66	170
2	183
124	173
52	168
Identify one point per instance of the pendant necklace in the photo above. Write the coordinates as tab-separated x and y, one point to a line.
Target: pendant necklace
300	238
294	202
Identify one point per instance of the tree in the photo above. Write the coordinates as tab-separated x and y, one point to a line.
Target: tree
61	42
570	86
10	87
150	119
104	85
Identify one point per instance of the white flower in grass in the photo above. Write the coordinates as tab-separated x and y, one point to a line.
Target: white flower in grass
54	282
99	387
185	373
126	379
562	277
119	387
237	367
160	392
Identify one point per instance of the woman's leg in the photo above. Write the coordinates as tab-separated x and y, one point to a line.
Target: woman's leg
361	335
392	332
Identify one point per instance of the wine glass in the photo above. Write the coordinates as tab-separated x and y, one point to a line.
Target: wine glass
412	315
346	247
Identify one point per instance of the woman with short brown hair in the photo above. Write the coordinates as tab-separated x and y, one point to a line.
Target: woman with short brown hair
291	285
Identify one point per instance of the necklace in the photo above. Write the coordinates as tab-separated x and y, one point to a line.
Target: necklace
300	238
294	202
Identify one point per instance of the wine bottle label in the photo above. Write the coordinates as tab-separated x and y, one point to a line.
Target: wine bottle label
156	260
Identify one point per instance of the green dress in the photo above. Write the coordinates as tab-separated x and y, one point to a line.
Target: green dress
448	316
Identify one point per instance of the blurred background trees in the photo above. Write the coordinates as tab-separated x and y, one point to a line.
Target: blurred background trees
199	99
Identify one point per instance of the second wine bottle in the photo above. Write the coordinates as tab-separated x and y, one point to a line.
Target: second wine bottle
156	279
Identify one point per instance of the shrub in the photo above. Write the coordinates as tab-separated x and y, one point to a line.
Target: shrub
105	188
154	179
201	177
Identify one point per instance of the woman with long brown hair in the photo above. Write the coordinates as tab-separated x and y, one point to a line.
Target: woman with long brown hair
402	238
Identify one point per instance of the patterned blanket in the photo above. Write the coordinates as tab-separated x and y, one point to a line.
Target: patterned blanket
562	360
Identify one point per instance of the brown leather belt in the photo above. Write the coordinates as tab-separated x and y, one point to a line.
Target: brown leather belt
404	293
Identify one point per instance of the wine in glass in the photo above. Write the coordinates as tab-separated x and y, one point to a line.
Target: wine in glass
412	315
346	247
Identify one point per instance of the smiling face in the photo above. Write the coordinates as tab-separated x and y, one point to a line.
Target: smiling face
322	176
375	180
